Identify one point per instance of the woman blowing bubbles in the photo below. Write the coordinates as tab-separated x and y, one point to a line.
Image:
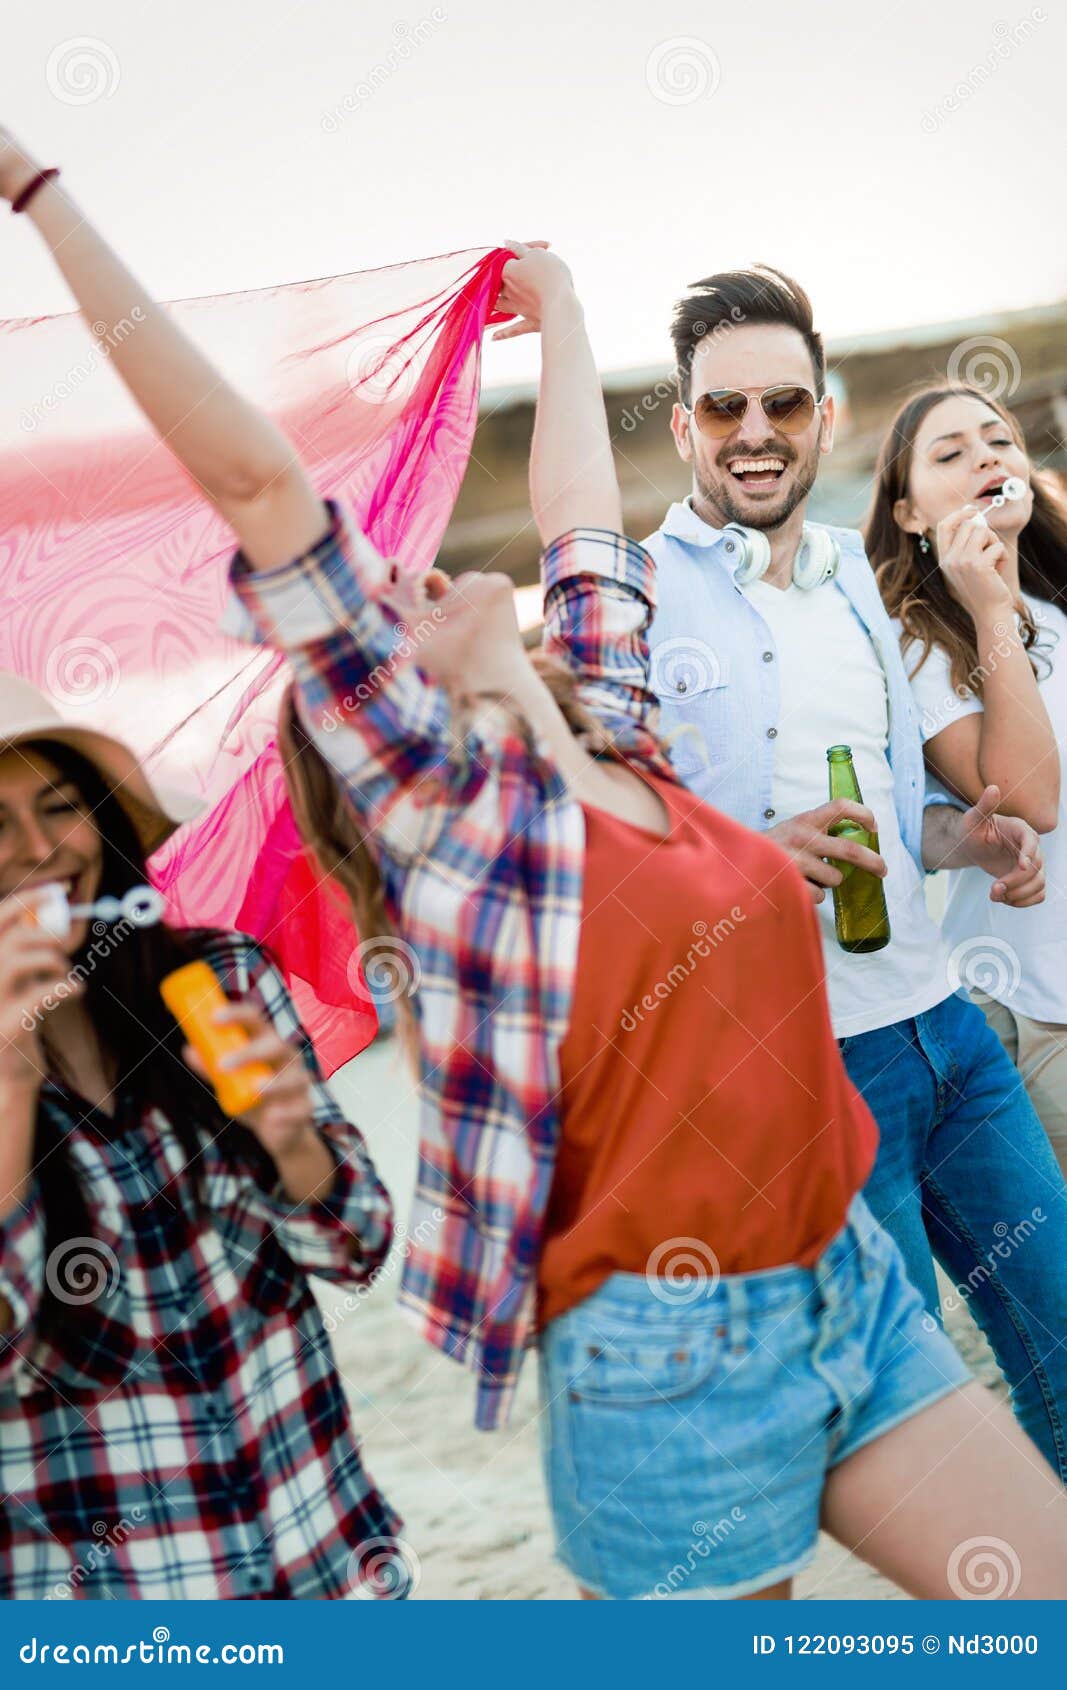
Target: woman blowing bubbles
164	1376
163	1370
518	824
977	580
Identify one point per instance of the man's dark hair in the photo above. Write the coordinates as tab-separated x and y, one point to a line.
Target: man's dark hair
759	295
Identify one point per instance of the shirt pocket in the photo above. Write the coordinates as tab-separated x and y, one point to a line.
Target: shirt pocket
692	683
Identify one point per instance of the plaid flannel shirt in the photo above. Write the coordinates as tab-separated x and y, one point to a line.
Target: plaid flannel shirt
480	849
189	1437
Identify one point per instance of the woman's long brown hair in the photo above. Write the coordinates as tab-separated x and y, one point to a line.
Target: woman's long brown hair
143	1043
331	830
911	581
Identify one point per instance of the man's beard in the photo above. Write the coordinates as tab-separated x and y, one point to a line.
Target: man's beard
725	495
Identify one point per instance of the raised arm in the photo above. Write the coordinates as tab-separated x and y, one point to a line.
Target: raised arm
306	582
572	473
245	466
599	586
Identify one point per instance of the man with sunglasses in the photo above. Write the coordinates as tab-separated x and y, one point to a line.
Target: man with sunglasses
771	644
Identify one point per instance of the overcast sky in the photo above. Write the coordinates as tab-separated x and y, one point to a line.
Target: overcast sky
904	161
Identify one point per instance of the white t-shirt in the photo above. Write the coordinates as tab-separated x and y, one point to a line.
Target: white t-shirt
1018	956
833	692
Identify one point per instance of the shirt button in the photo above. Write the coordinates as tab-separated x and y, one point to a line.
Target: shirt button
768	815
682	686
768	657
772	733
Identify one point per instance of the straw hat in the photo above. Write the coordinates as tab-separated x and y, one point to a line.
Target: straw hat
26	714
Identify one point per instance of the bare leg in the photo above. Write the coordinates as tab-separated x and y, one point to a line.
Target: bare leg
773	1593
955	1501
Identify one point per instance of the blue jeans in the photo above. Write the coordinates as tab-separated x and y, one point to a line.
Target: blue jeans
965	1173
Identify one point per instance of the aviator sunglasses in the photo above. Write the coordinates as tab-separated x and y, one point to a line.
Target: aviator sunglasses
788	409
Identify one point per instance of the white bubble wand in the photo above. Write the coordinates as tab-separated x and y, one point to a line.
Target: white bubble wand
1013	489
50	908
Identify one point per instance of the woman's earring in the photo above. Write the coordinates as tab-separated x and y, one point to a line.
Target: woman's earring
924	544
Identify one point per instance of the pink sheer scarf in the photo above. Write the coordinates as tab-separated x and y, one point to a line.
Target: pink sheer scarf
113	567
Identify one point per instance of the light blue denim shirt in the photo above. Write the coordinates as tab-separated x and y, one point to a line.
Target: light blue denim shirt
715	672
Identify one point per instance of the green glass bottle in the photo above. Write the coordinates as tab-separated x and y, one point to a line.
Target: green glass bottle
860	915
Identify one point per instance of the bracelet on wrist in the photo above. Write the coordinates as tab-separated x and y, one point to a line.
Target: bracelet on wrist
33	186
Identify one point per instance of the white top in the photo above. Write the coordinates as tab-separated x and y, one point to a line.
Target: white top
1018	956
833	692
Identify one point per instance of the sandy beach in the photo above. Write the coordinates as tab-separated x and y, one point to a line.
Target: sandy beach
473	1501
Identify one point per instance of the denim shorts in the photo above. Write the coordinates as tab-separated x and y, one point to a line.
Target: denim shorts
689	1426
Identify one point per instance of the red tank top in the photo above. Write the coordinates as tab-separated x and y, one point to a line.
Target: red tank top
706	1113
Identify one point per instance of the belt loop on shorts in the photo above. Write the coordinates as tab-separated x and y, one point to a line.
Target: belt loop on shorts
737	1312
829	1263
862	1228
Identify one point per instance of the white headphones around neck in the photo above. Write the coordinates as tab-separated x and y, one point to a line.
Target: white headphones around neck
816	561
